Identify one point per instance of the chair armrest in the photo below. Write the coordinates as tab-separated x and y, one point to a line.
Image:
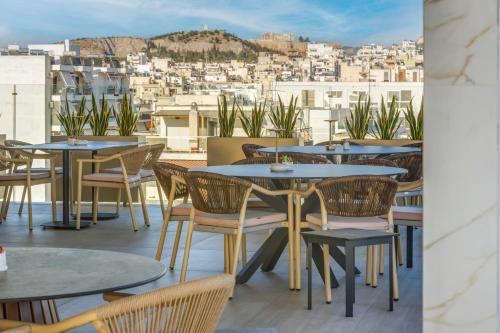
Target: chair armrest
12	326
309	191
408	186
178	179
99	160
260	189
114	296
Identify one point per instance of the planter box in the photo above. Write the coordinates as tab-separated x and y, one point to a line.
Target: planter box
105	195
377	142
222	151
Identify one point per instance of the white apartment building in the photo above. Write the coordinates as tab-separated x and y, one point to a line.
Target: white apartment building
319	101
319	50
56	50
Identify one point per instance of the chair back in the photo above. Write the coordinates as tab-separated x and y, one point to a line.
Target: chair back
357	196
133	159
217	194
191	307
164	172
250	150
301	158
374	162
153	155
409	161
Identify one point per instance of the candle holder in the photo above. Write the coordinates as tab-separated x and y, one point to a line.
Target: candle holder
277	166
330	145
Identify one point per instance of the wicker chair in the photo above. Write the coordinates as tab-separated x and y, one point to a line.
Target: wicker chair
146	172
14	144
413	163
173	190
192	307
349	202
301	158
131	162
373	162
220	206
250	150
18	164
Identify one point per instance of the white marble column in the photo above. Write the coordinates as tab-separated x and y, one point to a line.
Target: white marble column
461	166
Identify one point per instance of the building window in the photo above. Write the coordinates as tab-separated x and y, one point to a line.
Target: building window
334	93
355	95
307	98
386	76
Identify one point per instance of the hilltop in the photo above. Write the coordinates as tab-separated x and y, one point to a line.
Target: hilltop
210	45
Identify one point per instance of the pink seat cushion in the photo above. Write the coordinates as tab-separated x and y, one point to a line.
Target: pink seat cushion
110	177
339	222
252	218
254	202
23	176
144	173
408	213
58	170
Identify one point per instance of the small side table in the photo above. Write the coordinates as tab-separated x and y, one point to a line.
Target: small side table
349	239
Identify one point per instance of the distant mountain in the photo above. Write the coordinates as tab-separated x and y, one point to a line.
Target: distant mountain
211	45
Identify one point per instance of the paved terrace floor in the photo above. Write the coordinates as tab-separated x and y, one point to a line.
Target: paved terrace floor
264	301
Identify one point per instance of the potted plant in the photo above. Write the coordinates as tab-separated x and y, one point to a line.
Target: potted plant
73	122
99	116
387	122
415	123
126	119
253	124
284	117
226	118
357	124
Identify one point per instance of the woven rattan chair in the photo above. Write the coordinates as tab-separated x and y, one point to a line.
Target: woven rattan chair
301	158
18	165
250	150
413	163
147	174
373	162
191	307
131	162
349	202
21	168
220	206
173	190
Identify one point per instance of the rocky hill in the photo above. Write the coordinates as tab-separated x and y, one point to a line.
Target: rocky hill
211	45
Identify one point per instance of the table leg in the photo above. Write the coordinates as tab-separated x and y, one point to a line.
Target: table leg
272	260
409	246
309	276
40	312
65	223
349	285
391	274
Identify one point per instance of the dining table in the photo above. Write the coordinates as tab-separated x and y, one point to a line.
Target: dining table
267	256
36	276
63	146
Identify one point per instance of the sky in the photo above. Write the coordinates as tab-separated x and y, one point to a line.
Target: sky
350	22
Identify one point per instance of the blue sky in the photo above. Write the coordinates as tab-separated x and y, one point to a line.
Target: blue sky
350	22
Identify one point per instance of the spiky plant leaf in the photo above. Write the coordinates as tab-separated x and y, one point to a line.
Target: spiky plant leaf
126	119
415	123
359	120
227	118
99	116
252	124
284	117
387	122
73	122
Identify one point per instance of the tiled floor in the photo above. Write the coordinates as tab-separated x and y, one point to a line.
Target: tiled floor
264	301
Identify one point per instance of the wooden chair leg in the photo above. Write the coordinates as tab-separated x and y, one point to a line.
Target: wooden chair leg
244	250
118	200
230	242
131	207
178	233
79	199
160	196
297	243
326	272
30	208
95	202
291	241
143	205
381	260
374	266
187	248
236	252
368	278
163	235
21	204
395	282
6	202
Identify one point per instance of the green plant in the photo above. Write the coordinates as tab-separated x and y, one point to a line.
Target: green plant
286	159
74	122
284	117
99	116
415	123
126	119
359	120
226	118
252	125
387	122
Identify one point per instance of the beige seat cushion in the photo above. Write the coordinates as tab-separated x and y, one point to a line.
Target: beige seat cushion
143	172
110	177
252	218
183	209
339	222
22	176
254	202
58	170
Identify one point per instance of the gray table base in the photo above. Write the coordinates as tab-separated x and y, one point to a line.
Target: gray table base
64	225
349	246
100	216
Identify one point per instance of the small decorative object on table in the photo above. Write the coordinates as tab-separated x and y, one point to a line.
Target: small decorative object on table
277	166
75	142
347	146
330	146
3	259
